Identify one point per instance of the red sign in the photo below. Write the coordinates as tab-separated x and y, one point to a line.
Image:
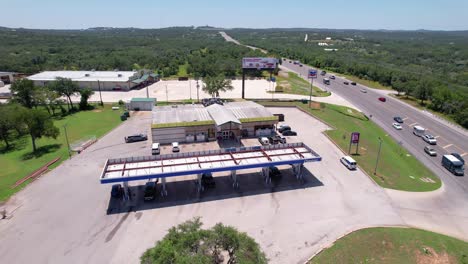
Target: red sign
355	137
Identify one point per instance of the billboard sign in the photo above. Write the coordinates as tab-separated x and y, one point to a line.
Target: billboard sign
355	137
312	74
259	63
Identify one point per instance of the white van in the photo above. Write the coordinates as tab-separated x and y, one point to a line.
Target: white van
349	162
155	149
419	131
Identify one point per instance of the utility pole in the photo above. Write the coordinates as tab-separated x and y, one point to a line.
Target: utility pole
147	92
378	156
66	137
198	87
167	97
100	95
190	85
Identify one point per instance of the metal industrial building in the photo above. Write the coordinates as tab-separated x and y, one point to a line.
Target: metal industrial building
196	123
95	80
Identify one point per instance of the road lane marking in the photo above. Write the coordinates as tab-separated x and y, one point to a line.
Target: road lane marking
406	118
413	124
436	136
447	146
464	154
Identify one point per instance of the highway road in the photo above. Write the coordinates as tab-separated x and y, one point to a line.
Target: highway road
449	139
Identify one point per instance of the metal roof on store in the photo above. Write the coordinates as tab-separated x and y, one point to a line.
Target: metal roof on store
180	164
84	76
221	115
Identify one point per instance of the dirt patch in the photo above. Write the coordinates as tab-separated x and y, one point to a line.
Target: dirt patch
97	110
428	256
283	74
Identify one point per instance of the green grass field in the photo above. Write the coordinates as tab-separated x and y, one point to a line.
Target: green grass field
182	70
294	84
19	161
394	245
397	168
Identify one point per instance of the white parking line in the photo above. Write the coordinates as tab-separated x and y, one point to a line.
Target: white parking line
413	124
449	145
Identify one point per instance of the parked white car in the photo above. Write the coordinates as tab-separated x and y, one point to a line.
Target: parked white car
397	126
175	147
430	139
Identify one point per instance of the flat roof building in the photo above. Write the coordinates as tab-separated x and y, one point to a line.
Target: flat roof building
194	122
95	80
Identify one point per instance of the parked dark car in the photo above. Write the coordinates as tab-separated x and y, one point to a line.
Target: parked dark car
150	190
274	173
282	128
459	157
135	138
289	133
117	191
382	99
276	139
398	119
208	180
353	83
345	82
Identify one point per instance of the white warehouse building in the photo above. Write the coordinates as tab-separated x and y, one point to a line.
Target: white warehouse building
95	80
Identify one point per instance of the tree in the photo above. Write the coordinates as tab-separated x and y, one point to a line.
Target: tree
38	124
85	94
188	243
216	84
46	97
65	87
423	90
7	123
23	92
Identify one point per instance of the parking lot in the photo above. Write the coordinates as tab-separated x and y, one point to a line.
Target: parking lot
65	216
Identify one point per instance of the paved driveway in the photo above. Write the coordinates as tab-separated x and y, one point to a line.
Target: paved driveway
63	216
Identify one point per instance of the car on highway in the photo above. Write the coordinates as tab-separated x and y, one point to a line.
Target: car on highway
363	90
397	126
289	133
136	138
382	99
150	191
208	180
345	82
333	77
459	157
353	83
300	65
117	191
398	119
430	139
283	128
430	151
175	147
323	73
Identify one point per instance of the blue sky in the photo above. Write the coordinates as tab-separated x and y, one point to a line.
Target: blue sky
359	14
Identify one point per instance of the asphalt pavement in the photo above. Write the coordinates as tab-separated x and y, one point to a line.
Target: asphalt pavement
449	139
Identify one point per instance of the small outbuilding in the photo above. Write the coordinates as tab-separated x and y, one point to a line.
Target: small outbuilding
142	104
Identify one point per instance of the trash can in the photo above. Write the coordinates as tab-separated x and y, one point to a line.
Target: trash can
305	101
123	117
126	113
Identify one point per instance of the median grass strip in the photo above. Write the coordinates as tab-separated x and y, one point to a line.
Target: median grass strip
19	161
394	245
291	83
397	169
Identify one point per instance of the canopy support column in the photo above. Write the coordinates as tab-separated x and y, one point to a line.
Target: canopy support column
163	191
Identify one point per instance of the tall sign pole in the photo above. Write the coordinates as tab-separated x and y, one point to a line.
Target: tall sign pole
243	83
100	95
312	75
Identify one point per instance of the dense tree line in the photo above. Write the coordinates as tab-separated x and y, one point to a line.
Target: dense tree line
162	50
431	66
